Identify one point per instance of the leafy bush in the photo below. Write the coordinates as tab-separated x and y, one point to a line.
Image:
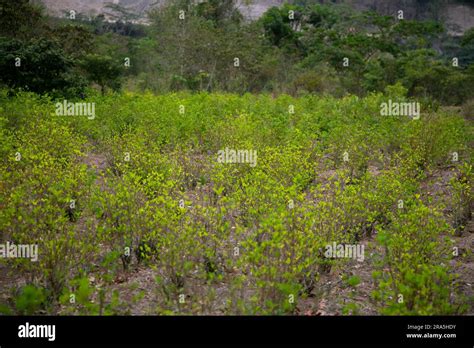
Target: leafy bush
415	278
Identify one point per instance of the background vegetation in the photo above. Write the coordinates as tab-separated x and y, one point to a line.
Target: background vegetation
294	49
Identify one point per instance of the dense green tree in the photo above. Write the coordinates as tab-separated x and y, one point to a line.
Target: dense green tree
277	26
103	70
425	76
39	66
20	19
76	40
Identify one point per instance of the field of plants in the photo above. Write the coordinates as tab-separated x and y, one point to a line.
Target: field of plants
133	213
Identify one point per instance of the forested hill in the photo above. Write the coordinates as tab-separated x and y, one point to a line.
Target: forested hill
459	14
324	48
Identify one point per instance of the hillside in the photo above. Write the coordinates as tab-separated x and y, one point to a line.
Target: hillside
458	14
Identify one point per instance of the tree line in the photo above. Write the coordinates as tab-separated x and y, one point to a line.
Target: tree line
209	46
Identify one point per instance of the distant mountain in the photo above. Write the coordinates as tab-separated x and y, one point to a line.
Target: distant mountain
458	14
95	7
